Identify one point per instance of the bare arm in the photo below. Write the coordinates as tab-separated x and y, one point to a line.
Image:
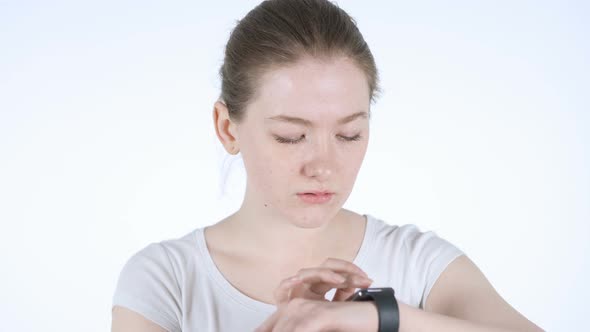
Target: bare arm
125	320
462	299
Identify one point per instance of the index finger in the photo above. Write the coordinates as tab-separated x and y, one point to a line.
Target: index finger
341	265
283	292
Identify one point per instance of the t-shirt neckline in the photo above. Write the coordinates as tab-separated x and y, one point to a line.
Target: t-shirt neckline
245	300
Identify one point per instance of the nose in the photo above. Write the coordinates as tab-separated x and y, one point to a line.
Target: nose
320	163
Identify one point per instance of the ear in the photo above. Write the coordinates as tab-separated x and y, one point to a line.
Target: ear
225	128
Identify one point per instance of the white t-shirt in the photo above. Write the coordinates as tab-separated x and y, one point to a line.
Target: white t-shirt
176	284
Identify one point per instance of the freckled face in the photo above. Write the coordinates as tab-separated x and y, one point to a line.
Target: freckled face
305	131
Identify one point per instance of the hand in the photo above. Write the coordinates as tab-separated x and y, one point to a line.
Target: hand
311	315
314	283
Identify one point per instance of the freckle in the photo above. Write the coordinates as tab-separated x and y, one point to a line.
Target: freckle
265	205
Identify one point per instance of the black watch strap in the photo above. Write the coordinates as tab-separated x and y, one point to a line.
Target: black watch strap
386	303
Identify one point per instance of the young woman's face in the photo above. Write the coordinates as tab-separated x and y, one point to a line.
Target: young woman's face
306	131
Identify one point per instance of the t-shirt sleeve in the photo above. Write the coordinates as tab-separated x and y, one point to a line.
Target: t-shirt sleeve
429	257
147	285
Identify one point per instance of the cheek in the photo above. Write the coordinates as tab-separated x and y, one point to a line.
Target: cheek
359	156
268	167
352	163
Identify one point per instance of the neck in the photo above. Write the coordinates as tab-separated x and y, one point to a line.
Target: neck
274	238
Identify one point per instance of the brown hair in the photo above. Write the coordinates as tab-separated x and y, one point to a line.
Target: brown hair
280	32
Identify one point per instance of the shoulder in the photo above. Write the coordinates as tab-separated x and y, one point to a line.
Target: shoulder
168	256
421	245
408	236
150	282
418	255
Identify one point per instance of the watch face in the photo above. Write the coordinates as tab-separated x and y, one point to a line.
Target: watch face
359	295
363	292
354	296
366	294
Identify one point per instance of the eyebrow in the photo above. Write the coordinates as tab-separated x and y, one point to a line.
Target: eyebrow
308	123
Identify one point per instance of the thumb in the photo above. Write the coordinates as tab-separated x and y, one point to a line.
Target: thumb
343	293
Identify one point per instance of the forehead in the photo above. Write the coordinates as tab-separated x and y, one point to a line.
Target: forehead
318	90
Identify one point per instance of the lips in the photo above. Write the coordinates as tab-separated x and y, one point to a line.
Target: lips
317	192
316	197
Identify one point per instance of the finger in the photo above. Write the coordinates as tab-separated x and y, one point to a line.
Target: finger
313	284
316	283
341	265
283	291
356	281
321	280
342	294
352	282
322	274
345	291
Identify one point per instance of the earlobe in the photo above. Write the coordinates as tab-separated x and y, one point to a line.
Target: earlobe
224	127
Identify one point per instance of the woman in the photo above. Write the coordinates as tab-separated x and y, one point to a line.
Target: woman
297	83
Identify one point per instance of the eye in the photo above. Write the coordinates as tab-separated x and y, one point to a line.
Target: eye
350	139
288	140
297	140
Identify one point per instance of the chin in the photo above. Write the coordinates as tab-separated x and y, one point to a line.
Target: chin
312	219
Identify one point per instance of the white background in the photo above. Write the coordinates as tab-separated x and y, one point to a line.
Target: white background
107	143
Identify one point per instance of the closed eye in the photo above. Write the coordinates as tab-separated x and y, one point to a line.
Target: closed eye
350	139
285	140
288	140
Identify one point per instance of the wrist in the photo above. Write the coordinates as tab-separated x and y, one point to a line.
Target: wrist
386	304
406	313
355	316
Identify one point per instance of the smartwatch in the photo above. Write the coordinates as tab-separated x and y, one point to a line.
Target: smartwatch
386	303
